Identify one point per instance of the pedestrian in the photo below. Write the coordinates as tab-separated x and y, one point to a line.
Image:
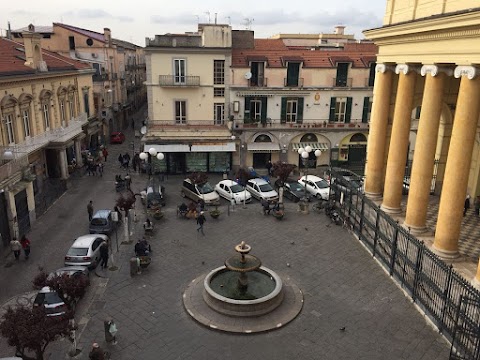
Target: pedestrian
120	160
265	206
100	168
16	248
105	154
200	221
128	181
96	353
133	124
117	210
112	329
90	210
135	162
477	205
269	167
26	246
467	205
104	255
126	160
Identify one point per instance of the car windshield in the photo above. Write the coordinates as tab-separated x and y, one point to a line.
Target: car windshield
74	251
321	184
48	298
265	188
205	188
294	186
237	188
98	221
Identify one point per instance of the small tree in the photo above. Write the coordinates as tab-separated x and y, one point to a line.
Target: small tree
243	175
282	170
125	203
198	178
30	330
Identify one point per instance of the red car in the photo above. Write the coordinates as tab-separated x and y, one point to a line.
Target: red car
117	137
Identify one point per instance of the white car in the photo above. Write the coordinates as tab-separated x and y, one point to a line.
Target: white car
261	189
316	186
85	251
230	189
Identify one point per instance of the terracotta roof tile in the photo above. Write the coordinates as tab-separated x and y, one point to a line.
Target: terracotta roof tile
12	59
88	33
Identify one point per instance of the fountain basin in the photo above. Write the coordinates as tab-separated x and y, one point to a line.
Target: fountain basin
259	298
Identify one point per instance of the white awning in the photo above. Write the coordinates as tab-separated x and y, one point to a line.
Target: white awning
167	147
222	147
314	146
263	147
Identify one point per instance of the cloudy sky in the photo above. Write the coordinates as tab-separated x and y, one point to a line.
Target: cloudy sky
134	20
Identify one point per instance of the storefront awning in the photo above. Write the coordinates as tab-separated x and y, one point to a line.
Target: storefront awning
167	147
217	147
263	147
223	147
314	146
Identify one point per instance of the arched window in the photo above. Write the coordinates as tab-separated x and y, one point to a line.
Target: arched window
45	103
25	105
263	138
358	138
309	138
7	106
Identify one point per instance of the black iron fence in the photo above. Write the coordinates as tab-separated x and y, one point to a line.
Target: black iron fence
431	283
52	189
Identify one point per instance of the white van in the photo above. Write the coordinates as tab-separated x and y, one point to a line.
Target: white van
203	191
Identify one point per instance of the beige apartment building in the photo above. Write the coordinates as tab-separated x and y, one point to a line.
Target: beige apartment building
46	101
118	79
428	62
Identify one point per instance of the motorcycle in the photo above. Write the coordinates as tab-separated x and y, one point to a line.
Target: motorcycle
331	212
120	184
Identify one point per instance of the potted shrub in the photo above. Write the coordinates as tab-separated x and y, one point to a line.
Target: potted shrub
215	213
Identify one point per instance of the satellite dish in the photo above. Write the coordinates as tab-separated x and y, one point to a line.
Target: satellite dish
143	130
248	75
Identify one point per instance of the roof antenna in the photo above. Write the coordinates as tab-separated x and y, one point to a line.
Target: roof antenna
248	23
208	14
215	18
229	20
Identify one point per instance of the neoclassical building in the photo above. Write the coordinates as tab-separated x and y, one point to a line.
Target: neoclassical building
426	106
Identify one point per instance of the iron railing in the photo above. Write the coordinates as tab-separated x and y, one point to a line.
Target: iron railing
431	283
173	80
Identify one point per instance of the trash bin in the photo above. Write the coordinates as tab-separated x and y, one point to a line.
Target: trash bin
303	207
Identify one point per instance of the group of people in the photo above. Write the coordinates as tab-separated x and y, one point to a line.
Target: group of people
142	247
94	165
17	247
269	206
124	160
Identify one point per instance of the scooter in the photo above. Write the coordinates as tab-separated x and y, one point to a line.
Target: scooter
120	184
331	212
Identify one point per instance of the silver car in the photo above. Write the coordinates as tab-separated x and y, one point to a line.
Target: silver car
85	251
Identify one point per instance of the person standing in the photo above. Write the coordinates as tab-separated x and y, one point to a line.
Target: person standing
126	160
104	255
467	205
200	221
100	168
90	210
16	248
128	181
120	160
269	166
105	154
96	353
26	246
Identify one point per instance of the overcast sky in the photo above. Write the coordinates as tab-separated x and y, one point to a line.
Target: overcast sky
135	20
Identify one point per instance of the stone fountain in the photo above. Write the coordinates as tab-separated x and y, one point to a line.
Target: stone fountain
243	296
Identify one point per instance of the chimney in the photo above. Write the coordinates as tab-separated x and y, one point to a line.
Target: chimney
107	35
339	30
9	32
33	49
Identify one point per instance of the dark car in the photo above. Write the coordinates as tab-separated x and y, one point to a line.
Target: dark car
51	301
117	137
102	223
346	179
292	190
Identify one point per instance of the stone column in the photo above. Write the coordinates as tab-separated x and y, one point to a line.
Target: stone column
397	152
378	131
63	163
425	146
78	152
457	168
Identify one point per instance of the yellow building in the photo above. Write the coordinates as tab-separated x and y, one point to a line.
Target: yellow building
46	100
426	107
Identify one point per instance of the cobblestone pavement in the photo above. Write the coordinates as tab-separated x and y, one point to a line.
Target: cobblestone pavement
343	286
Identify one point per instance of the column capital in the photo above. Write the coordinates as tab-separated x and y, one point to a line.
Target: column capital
383	68
434	70
405	69
470	71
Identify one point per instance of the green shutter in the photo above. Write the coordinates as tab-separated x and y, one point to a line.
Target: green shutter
283	112
300	110
264	108
246	115
348	110
333	102
366	109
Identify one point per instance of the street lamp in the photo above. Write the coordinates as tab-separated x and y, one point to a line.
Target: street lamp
305	155
152	152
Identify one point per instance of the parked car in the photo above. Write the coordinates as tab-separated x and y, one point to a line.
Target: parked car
346	179
261	189
117	137
196	192
51	301
75	271
230	189
85	251
292	190
154	194
316	186
102	223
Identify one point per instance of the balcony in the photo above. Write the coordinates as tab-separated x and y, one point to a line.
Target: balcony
179	81
342	82
100	77
316	124
260	82
186	123
293	82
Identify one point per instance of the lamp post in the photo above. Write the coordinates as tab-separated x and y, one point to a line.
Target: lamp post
148	155
305	155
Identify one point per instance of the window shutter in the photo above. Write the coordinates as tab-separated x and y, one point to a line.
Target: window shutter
348	110
300	110
264	108
333	102
366	108
283	113
246	115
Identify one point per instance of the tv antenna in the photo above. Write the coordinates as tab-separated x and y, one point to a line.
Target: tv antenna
248	23
208	14
229	20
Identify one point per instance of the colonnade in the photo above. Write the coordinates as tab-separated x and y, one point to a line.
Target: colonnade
385	176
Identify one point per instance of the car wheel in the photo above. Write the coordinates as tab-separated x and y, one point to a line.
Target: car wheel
319	196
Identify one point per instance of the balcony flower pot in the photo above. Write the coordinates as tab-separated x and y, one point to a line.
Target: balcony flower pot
351	125
215	213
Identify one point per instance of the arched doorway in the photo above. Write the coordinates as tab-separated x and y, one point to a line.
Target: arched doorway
260	158
357	149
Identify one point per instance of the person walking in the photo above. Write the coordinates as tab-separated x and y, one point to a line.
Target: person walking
466	205
269	167
120	160
16	248
128	181
26	246
100	168
126	160
200	221
135	162
96	353
105	154
104	255
90	210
